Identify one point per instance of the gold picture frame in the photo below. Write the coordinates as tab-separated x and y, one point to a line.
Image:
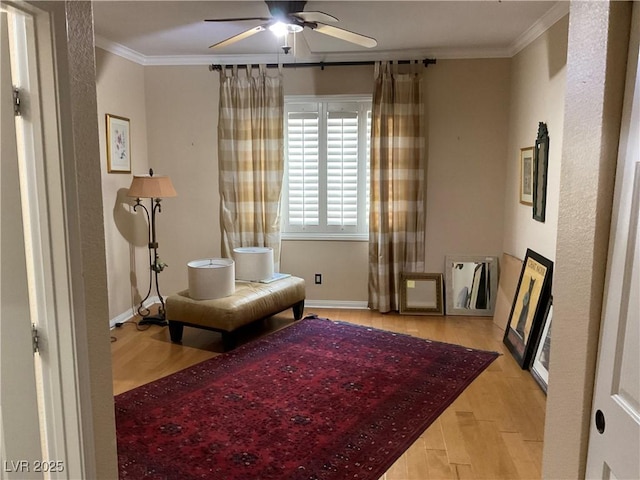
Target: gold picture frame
421	294
526	175
118	144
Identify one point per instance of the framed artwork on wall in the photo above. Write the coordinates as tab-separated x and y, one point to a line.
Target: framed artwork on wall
540	364
526	176
540	167
528	308
118	144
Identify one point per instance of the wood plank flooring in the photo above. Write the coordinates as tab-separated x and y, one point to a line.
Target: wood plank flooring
494	430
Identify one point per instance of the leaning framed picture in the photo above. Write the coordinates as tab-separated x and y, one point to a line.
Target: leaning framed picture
526	176
528	308
421	294
540	364
118	144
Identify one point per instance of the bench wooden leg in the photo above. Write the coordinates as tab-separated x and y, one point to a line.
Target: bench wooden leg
175	331
298	310
228	341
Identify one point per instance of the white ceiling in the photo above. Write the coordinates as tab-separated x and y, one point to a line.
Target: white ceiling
174	32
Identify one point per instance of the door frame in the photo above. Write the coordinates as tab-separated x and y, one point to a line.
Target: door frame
65	406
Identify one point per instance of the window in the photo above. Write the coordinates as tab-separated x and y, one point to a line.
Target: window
326	189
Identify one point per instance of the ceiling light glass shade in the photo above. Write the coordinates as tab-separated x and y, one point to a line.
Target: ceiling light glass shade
146	186
280	29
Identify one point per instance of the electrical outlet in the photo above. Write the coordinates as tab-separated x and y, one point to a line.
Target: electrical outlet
318	279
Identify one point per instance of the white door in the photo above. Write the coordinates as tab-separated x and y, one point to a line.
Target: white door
614	438
21	445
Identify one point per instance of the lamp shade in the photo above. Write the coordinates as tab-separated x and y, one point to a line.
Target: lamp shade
151	186
211	279
253	263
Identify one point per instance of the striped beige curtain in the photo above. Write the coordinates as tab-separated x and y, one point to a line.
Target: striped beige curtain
251	159
396	221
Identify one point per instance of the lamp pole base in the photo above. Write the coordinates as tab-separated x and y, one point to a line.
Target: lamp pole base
154	320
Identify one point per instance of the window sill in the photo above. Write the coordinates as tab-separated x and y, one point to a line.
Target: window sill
331	237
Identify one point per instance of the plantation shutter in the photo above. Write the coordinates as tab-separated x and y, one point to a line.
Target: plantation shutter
342	168
304	168
327	168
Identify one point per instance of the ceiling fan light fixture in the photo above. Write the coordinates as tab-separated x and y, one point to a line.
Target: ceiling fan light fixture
280	29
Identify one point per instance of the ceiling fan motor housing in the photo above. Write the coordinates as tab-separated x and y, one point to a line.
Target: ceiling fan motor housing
281	10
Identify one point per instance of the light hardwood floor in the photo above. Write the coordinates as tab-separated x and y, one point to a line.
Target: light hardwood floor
493	430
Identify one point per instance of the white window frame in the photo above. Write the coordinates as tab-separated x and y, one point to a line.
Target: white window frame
323	104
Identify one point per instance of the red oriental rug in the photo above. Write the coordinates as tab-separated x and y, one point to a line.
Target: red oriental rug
317	400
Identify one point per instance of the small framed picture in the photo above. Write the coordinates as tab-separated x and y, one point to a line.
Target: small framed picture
526	176
528	309
421	294
540	365
118	144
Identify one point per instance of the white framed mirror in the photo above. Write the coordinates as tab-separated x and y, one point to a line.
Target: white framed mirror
471	284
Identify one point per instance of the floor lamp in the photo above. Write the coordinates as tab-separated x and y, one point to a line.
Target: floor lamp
154	188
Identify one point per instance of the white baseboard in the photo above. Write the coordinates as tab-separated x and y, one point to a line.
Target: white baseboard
347	304
123	317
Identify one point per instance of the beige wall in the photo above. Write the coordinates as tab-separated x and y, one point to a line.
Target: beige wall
538	84
538	76
182	120
121	92
467	103
468	110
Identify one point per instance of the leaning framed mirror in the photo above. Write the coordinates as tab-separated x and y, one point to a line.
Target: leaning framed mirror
471	284
421	293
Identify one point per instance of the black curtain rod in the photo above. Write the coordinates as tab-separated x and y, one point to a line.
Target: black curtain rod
426	62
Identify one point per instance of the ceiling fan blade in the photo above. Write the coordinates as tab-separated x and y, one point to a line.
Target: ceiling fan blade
262	19
343	34
238	37
315	17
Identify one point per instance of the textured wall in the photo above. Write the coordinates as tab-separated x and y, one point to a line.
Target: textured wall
78	113
596	61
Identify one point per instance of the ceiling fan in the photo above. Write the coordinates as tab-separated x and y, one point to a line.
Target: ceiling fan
289	17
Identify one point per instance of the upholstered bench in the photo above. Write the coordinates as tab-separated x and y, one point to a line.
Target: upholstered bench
249	302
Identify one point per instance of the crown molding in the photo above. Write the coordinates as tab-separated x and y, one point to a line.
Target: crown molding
184	60
555	13
120	50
